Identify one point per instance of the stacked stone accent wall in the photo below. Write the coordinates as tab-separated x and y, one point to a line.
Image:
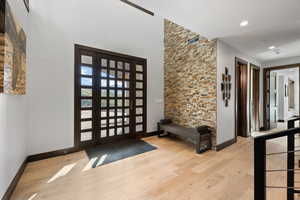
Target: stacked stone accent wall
190	78
12	53
2	50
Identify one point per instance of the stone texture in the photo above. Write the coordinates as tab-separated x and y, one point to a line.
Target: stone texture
190	78
2	49
12	53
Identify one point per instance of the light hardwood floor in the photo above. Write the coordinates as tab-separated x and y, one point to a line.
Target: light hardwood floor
172	172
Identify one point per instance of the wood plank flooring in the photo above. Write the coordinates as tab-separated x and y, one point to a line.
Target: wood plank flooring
172	172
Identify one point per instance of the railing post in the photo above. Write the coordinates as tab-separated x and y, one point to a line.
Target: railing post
291	167
290	162
259	169
291	124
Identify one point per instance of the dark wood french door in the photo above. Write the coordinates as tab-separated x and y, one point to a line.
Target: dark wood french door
267	92
110	96
267	121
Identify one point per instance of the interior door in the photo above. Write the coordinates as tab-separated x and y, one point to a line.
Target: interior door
255	99
110	96
241	99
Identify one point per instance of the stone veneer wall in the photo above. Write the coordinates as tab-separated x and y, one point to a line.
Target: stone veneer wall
190	78
2	53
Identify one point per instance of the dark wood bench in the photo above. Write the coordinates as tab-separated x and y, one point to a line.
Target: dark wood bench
200	136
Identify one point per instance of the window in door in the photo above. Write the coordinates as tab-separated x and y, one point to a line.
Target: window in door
291	94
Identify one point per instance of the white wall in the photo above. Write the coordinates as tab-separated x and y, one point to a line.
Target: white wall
13	121
226	115
280	62
106	24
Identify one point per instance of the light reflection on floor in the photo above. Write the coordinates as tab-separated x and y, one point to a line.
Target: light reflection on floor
90	164
64	171
32	196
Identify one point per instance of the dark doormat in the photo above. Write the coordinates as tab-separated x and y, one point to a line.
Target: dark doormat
107	153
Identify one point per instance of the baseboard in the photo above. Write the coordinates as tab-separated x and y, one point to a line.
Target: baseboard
150	134
222	146
62	152
15	181
51	154
262	129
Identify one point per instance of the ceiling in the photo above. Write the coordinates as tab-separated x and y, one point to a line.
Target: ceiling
271	23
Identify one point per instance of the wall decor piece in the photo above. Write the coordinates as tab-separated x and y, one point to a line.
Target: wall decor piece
12	53
226	87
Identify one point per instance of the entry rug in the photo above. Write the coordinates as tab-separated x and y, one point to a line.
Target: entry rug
107	153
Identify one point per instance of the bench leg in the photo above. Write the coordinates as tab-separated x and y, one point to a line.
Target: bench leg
159	134
198	149
164	134
158	130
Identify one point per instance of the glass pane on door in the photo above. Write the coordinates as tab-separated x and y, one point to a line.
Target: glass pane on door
85	91
115	100
139	99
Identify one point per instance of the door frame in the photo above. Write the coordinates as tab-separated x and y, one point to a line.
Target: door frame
265	72
255	67
77	49
237	61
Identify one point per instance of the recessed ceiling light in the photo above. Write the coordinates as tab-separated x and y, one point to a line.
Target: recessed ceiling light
244	23
272	47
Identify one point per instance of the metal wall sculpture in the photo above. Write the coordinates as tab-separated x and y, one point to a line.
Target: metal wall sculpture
226	87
